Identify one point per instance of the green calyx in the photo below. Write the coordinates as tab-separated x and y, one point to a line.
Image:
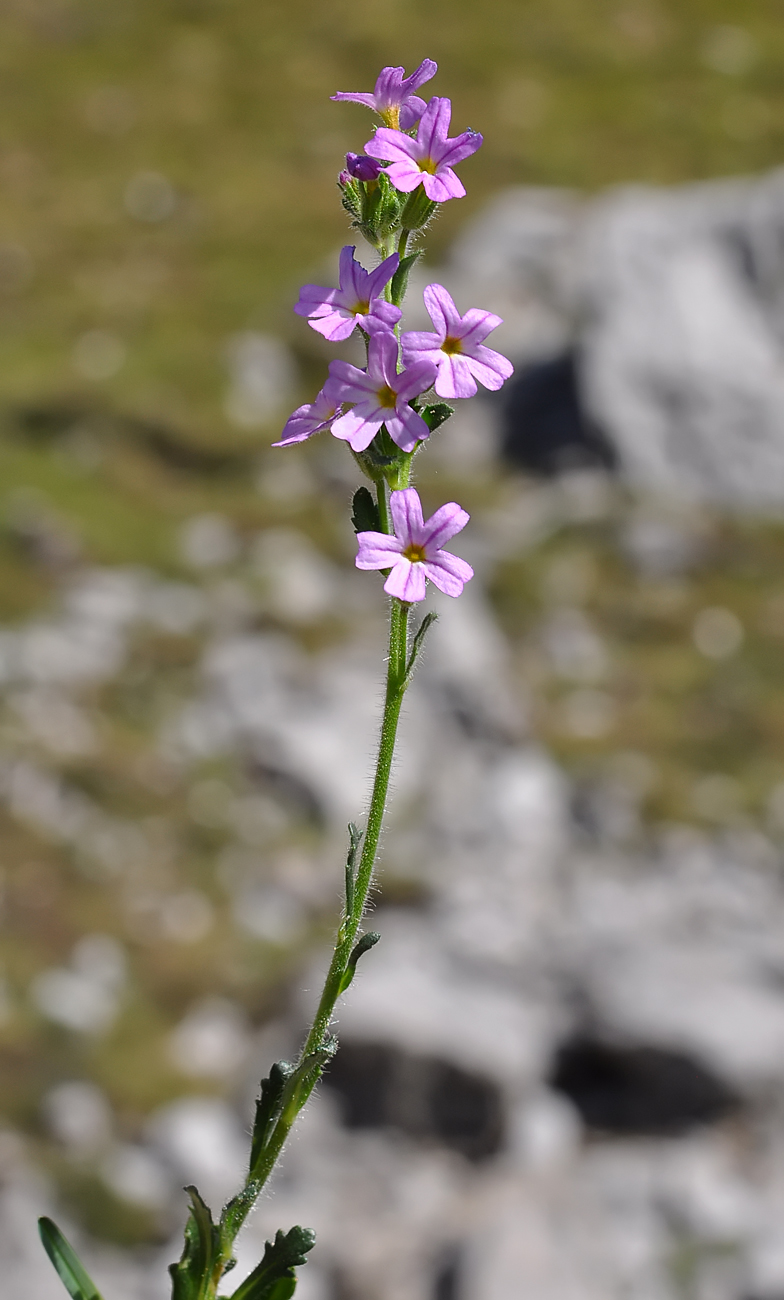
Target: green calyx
418	210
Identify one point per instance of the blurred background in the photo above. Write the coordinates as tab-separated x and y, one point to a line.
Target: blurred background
561	1069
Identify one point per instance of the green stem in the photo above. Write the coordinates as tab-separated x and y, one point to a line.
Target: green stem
383	506
405	235
352	919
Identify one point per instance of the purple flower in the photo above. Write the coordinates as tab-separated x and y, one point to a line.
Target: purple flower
456	347
414	553
393	98
312	417
381	396
429	158
335	312
361	167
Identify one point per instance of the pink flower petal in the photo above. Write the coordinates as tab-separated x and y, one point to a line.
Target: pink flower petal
381	276
406	510
312	296
447	522
434	127
417	345
357	431
443	186
476	325
359	97
392	146
454	377
491	368
425	72
382	358
440	308
336	327
450	583
411	111
460	148
377	550
406	581
415	379
405	176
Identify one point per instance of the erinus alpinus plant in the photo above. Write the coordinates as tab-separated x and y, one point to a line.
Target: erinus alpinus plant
386	413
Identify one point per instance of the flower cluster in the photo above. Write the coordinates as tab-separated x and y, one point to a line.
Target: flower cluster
392	190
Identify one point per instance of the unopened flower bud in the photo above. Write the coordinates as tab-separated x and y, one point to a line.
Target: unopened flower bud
362	167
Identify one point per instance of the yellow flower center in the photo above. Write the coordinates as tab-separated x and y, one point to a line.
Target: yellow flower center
416	554
451	346
387	397
428	165
360	307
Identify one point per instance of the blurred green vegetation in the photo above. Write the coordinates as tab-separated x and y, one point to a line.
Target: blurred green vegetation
227	103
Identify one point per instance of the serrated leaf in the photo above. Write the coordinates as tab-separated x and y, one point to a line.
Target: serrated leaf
193	1269
399	285
268	1107
67	1264
274	1278
364	512
367	942
436	414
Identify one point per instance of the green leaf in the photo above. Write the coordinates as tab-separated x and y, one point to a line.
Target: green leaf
274	1278
268	1107
192	1272
367	942
236	1211
436	415
399	285
418	643
66	1262
364	513
355	839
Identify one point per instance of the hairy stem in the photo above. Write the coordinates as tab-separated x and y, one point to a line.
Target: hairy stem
352	918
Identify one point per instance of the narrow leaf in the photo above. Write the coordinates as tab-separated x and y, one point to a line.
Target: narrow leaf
66	1262
436	415
399	285
236	1211
355	838
418	642
268	1107
274	1278
364	512
367	942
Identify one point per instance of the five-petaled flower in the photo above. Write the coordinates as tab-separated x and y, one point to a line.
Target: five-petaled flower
311	418
428	159
335	312
393	98
414	552
381	395
457	346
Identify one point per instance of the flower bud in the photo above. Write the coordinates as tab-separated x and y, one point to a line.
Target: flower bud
363	168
